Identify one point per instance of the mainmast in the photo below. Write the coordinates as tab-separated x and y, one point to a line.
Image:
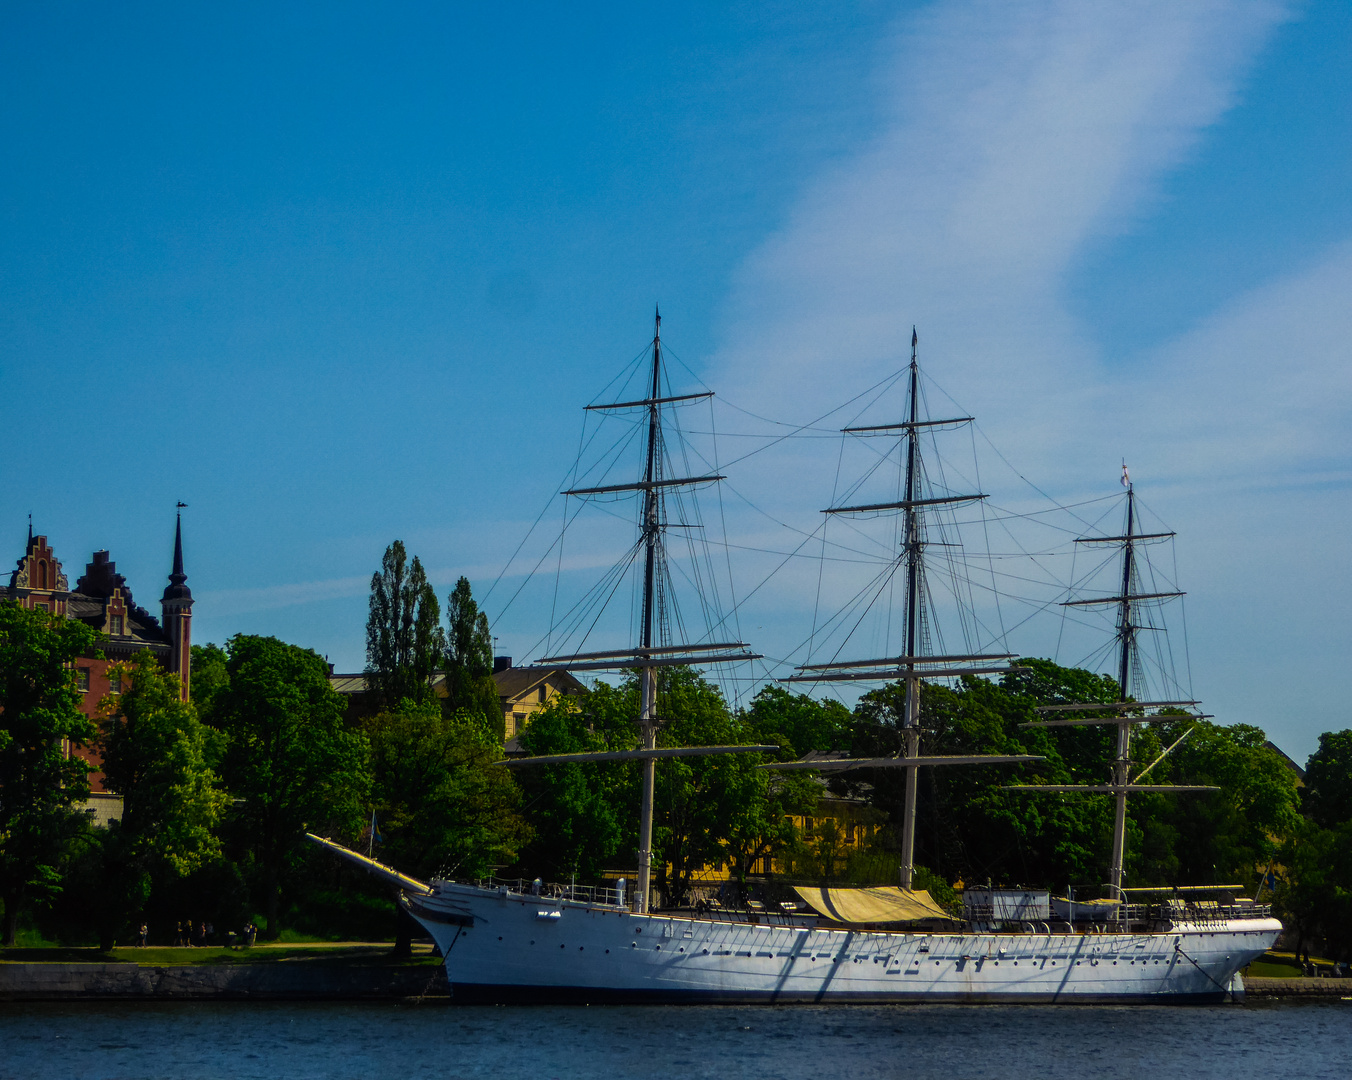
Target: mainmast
913	667
647	677
651	654
1126	601
912	554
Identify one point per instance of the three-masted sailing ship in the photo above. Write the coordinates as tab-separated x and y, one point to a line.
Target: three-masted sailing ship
507	942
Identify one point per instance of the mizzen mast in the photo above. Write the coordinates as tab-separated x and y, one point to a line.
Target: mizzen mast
1128	601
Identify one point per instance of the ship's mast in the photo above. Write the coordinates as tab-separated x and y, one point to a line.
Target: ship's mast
914	666
651	654
1126	634
912	553
647	676
1120	713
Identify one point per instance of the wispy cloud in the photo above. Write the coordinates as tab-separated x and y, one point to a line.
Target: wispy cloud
1018	135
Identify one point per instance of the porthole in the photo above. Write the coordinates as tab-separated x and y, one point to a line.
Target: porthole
532	943
705	951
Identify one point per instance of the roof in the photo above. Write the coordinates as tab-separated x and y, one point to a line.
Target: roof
512	682
348	684
1287	759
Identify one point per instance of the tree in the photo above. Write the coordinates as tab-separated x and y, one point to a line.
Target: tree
469	660
581	816
443	803
154	756
209	677
404	639
798	723
290	759
39	780
1328	780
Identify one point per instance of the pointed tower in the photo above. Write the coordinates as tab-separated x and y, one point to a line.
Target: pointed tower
177	609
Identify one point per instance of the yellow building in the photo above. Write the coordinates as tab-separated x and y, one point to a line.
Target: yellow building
522	691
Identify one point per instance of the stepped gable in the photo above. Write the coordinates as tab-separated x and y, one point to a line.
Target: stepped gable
101	594
103	601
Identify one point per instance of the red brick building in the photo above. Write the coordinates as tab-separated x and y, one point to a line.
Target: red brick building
103	600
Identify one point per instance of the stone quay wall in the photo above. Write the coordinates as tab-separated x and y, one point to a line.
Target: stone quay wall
282	981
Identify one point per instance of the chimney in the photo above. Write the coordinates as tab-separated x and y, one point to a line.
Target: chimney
501	663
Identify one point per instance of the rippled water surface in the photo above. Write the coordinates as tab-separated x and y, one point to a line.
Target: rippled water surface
299	1041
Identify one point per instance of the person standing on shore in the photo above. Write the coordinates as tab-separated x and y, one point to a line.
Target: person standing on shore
141	936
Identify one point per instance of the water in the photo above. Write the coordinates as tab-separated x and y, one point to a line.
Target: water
302	1041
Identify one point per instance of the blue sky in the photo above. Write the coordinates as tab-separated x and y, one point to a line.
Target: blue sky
334	275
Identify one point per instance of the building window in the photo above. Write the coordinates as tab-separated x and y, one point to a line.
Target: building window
114	682
518	720
42	573
115	624
543	693
42	607
82	680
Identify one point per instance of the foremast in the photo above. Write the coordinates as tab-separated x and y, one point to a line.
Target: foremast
914	666
652	652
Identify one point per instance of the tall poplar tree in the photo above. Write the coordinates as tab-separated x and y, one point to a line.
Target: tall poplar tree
469	659
404	639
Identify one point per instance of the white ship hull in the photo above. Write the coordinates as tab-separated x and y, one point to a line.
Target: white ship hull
502	946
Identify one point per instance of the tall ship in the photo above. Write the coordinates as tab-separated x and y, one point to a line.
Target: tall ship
528	942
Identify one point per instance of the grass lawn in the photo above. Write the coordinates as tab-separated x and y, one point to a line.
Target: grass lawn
1278	965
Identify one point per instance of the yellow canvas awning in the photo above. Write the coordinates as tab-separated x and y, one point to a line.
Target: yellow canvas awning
886	904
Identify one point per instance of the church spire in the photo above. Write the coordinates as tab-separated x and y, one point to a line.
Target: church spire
177	589
177	609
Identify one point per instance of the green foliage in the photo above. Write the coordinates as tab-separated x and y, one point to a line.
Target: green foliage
441	800
39	783
469	660
290	760
1231	835
1314	896
1328	780
582	816
969	828
404	639
154	757
209	677
797	722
